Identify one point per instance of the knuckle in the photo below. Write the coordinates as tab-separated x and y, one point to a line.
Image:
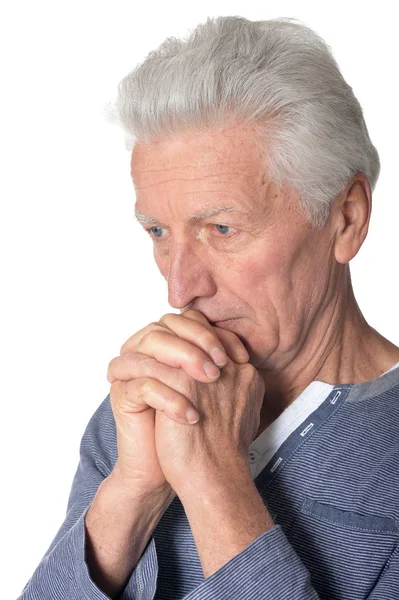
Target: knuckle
127	347
195	357
146	365
196	315
111	366
176	405
138	364
115	392
135	393
126	362
145	386
248	371
155	335
132	358
167	317
172	401
124	398
142	394
158	326
151	336
207	339
124	348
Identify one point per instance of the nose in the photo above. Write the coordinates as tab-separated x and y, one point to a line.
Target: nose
189	274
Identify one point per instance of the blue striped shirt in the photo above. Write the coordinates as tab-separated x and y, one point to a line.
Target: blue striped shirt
332	489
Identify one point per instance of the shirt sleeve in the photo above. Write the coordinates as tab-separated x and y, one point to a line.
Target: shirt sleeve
63	573
267	569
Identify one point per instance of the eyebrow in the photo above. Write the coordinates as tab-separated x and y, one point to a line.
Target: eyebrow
146	220
213	211
143	219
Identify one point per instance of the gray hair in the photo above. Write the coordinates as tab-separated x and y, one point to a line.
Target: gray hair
278	75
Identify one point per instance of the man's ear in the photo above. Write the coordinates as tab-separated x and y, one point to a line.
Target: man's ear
353	211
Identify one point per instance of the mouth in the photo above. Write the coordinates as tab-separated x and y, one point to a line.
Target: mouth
225	322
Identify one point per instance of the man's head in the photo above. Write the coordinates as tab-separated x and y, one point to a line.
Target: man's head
253	118
277	76
233	246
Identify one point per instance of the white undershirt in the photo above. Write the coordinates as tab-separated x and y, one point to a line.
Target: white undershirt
267	443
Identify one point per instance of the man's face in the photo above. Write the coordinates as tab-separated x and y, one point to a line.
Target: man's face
232	245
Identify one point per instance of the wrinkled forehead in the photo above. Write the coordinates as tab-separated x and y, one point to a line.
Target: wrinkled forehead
201	171
233	152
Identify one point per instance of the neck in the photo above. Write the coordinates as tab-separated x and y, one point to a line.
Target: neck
341	347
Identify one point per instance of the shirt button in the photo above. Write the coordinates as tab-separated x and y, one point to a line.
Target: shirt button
253	456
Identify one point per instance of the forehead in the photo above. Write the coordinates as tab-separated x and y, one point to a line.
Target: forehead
200	160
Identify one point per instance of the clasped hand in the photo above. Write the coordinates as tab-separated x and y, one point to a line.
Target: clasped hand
163	373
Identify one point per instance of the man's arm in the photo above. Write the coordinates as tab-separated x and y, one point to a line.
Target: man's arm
226	514
267	569
118	526
105	533
242	552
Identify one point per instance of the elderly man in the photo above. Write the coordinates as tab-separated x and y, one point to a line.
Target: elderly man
249	445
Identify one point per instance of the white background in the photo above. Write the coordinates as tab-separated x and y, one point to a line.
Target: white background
77	272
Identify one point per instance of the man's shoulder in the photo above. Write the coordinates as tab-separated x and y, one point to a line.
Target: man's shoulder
363	444
371	411
380	391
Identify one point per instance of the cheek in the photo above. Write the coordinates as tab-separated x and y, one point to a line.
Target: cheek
263	275
278	286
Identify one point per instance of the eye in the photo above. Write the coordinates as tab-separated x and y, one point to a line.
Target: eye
223	228
156	231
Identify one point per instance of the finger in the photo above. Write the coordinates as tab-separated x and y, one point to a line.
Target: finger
232	344
177	352
198	331
234	347
137	395
196	315
131	344
135	364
